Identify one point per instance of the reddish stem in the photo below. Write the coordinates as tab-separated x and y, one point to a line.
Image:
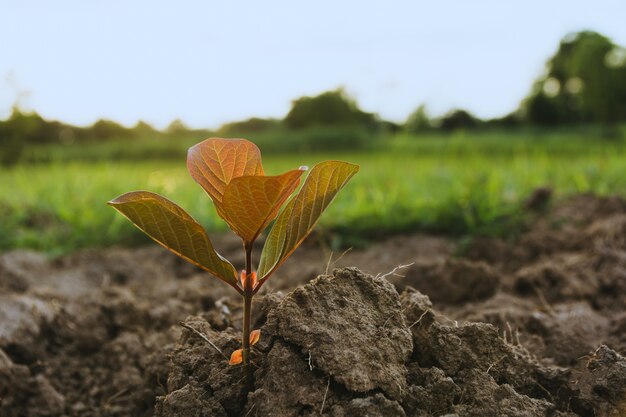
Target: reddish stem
248	293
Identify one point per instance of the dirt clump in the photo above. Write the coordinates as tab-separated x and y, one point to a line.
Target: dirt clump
20	269
189	401
352	328
600	384
451	281
197	362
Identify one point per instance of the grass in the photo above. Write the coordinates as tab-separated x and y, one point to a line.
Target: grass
462	184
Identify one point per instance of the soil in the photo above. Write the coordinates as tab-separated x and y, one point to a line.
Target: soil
426	326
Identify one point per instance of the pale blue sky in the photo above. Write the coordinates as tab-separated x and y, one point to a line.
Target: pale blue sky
208	63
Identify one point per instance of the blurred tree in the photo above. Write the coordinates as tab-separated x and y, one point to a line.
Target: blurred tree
511	120
389	127
11	144
252	125
107	129
176	127
31	127
543	111
143	130
585	81
418	121
332	108
458	119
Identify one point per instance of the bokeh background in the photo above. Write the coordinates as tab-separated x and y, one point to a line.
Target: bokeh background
457	111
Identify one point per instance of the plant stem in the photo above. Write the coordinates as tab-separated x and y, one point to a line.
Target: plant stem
247	313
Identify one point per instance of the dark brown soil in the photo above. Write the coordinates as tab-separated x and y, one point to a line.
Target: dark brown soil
430	327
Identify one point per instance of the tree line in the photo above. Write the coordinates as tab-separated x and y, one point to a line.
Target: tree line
584	82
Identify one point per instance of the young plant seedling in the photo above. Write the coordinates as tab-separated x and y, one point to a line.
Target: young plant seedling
231	173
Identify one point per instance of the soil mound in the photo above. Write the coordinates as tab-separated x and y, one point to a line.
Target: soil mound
531	326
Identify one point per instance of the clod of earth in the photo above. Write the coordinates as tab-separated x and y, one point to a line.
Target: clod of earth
600	384
451	281
352	327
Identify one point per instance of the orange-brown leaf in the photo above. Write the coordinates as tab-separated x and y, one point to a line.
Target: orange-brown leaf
236	357
298	217
214	162
250	203
255	335
172	227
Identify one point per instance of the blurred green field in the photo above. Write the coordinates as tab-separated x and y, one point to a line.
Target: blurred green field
460	184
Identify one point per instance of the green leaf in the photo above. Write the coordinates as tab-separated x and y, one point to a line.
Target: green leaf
298	218
173	228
